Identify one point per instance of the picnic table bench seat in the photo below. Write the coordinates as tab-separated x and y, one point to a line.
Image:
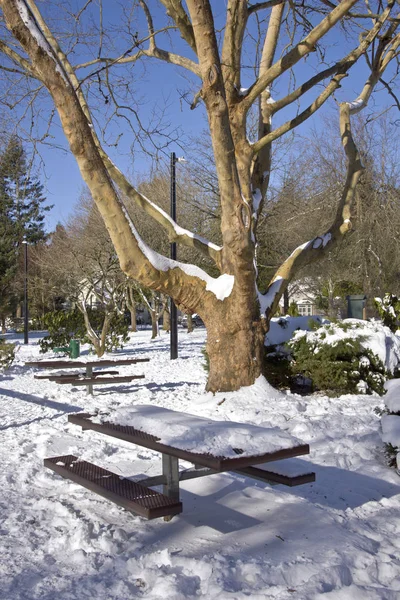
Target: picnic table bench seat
96	379
53	376
130	495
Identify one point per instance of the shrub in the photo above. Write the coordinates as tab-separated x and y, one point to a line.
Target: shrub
391	453
276	367
338	364
7	354
389	311
63	326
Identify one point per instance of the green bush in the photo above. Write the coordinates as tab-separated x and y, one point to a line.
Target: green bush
391	454
339	367
389	311
7	354
277	368
64	326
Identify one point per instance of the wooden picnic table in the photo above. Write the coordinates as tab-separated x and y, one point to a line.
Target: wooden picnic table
89	376
137	496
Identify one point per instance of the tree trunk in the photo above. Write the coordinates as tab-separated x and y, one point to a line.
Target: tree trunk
235	357
154	324
166	320
286	302
132	310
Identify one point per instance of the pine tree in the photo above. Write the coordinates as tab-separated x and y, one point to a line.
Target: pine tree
22	216
22	194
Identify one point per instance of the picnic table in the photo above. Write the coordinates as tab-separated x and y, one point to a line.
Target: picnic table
212	449
89	377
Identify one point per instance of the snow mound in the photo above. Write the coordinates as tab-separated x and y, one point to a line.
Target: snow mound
392	396
391	423
281	329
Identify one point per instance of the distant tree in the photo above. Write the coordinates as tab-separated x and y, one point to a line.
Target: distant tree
22	214
21	195
82	265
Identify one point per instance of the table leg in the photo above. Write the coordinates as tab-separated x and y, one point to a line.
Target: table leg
89	373
171	473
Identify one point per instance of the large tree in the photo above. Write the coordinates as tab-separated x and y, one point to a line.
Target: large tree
297	39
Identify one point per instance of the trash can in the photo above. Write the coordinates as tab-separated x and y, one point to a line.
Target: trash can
74	349
355	306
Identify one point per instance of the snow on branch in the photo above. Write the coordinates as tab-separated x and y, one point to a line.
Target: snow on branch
314	249
175	232
30	22
221	286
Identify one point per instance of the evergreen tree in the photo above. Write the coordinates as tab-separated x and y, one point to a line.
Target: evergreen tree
21	195
22	216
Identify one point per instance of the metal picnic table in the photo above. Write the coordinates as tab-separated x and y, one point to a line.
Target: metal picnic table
138	497
89	377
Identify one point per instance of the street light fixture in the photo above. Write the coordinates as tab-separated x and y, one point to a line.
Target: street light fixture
173	311
26	322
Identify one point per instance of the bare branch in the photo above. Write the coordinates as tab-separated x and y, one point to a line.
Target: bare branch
341	68
305	253
177	13
232	46
175	233
391	92
150	24
152	52
301	50
262	164
263	5
19	60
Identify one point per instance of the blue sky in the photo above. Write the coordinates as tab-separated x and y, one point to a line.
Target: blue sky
165	83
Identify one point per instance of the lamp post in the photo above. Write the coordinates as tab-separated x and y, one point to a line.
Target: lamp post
26	323
173	311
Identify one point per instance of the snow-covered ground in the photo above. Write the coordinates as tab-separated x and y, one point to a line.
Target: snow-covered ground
336	539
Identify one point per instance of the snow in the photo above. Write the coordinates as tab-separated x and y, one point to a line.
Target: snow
391	430
392	396
391	422
237	538
356	105
38	35
200	434
322	240
267	299
281	329
33	28
180	231
221	287
257	198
